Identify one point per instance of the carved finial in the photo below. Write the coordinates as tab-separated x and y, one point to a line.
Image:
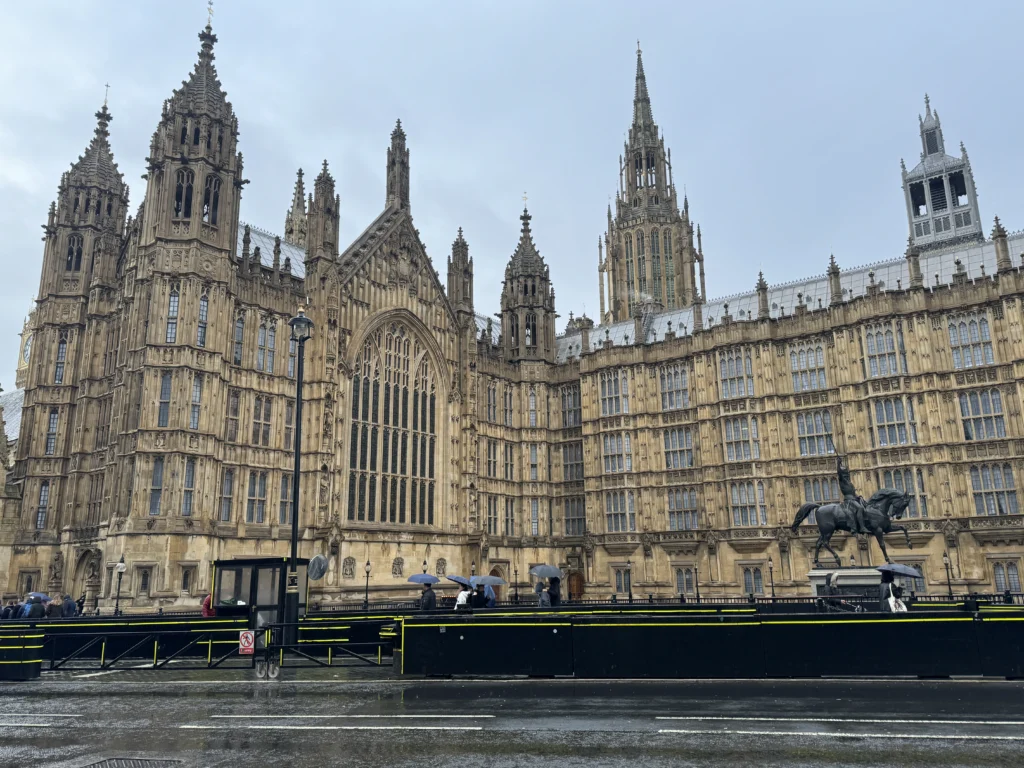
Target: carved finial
524	201
106	95
209	13
927	106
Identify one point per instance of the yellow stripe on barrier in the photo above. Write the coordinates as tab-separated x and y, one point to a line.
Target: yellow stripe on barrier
874	621
19	637
1005	618
17	647
30	661
332	640
495	624
676	624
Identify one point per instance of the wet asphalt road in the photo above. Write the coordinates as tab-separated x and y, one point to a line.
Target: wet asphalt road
356	718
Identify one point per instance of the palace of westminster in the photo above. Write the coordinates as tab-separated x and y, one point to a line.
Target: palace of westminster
663	450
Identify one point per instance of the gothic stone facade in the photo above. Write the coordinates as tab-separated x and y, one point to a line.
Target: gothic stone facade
661	452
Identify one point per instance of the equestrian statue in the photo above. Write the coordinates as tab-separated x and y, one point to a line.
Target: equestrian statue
872	517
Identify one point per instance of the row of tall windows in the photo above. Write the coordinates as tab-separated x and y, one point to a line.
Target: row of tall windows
501	515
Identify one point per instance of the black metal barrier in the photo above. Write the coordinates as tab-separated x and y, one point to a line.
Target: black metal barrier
98	643
21	648
662	645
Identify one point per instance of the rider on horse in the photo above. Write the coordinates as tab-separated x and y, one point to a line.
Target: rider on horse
851	501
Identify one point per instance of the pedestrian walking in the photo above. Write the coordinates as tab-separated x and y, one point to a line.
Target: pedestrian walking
555	591
428	600
68	608
479	598
206	608
492	599
10	611
543	596
80	606
462	601
53	609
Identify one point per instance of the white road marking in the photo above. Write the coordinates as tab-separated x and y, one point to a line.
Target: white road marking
332	727
830	735
38	714
26	725
123	669
890	721
365	717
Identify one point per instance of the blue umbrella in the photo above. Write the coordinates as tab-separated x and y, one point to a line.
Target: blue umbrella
487	581
423	578
460	580
42	597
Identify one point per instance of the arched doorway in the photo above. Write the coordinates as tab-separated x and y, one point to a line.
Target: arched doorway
575	585
499	592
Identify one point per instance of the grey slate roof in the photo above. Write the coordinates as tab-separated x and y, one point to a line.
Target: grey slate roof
11	403
265	241
889	276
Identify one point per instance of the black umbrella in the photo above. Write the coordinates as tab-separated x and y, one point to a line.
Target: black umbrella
899	569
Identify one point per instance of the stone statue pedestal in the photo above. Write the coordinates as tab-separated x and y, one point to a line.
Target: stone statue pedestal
849	581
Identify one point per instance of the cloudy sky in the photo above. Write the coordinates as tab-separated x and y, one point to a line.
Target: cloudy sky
787	120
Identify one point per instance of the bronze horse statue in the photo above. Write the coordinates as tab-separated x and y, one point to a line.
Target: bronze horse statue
879	512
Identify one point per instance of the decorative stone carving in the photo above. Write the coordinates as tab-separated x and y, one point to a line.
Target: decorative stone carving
348	568
441	567
397	566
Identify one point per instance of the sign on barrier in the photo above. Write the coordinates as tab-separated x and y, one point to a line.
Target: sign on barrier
246	641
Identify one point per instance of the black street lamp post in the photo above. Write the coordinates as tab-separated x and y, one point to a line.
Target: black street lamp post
771	574
629	578
515	582
366	595
949	582
696	580
301	327
120	568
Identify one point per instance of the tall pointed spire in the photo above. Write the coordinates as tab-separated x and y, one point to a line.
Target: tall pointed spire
398	169
96	166
641	99
295	219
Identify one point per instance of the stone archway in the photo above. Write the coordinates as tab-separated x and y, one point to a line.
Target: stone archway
499	592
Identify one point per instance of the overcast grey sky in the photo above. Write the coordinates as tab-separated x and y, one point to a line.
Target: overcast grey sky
787	120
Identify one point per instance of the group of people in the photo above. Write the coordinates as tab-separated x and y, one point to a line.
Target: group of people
548	596
33	607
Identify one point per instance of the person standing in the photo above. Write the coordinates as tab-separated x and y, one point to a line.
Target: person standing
462	601
479	598
68	607
428	600
35	609
206	608
543	597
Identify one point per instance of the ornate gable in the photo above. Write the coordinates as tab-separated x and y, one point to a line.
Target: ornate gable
390	251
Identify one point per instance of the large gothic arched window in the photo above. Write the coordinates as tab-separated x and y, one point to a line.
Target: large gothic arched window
393	441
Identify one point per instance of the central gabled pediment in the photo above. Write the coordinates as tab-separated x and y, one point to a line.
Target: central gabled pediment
390	250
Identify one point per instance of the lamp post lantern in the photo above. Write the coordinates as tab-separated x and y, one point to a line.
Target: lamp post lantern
629	578
949	582
366	595
424	566
120	568
771	574
301	327
472	568
853	561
